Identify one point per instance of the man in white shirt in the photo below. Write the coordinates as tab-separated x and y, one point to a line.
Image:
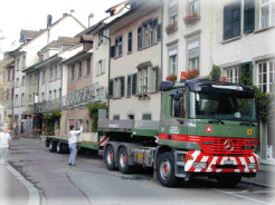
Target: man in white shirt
72	143
5	143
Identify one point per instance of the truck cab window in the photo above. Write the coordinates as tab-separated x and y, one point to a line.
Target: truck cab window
178	105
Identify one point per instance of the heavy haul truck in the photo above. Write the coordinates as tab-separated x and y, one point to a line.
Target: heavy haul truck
206	128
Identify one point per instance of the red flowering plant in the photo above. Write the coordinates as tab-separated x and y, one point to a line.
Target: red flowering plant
172	78
171	28
191	18
190	74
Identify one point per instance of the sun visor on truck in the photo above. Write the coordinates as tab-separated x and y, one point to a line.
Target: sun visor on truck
166	85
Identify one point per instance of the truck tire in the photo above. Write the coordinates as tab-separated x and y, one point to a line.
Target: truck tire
59	148
165	170
123	164
52	146
227	181
109	158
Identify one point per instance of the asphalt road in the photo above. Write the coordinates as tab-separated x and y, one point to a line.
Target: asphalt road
91	183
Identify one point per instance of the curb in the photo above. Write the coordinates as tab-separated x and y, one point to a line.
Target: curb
246	181
34	197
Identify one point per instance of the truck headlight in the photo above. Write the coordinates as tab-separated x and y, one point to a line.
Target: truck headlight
200	165
252	166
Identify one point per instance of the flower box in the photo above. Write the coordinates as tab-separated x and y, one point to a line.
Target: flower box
190	74
172	78
171	28
191	19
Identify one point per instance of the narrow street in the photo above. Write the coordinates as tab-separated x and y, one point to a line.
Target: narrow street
91	183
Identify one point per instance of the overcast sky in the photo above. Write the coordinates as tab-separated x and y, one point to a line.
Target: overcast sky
31	15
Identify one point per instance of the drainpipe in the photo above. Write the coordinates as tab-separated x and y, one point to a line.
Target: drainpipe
162	21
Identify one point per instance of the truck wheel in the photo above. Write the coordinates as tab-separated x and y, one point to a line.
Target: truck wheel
59	148
228	181
52	146
165	170
123	165
47	143
109	158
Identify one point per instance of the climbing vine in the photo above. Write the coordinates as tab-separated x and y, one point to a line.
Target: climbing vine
93	113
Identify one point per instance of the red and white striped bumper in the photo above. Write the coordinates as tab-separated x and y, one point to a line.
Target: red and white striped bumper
220	163
103	140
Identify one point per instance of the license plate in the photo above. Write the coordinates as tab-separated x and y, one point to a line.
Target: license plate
229	162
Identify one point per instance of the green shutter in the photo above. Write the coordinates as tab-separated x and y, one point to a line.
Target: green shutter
249	16
227	22
159	32
139	38
247	69
146	117
129	83
111	88
113	51
122	86
236	19
134	84
157	79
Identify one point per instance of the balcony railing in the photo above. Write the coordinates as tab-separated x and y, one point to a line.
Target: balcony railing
79	98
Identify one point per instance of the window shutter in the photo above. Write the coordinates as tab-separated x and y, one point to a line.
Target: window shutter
103	65
247	68
113	51
236	19
157	79
111	88
122	87
159	32
227	22
249	16
129	82
140	37
134	84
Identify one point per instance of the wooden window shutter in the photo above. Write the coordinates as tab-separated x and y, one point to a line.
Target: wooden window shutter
139	37
129	83
134	84
111	88
113	51
227	22
122	86
157	78
249	16
236	19
159	32
247	68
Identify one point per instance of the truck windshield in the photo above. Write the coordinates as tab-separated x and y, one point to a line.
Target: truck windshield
223	106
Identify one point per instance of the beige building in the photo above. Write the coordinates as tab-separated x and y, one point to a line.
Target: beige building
135	64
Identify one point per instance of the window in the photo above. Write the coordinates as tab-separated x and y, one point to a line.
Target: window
35	78
54	94
148	33
55	72
232	20
51	73
130	34
23	80
116	117
146	116
43	77
193	48
59	92
72	72
173	10
232	75
118	46
79	70
23	99
100	67
30	79
24	62
50	95
30	99
129	85
119	88
43	96
18	64
194	7
178	106
173	58
17	82
249	16
16	101
266	76
267	13
59	71
88	67
143	80
87	126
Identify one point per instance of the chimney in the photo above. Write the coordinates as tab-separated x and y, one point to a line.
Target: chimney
90	20
72	11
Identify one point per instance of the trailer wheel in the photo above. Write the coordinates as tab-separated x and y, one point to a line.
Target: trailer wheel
52	146
109	158
123	165
59	148
165	170
228	181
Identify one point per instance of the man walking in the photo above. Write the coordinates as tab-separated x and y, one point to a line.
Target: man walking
5	143
72	143
16	130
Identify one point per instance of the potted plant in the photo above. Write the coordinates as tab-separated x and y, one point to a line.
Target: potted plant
190	74
171	28
172	78
191	18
